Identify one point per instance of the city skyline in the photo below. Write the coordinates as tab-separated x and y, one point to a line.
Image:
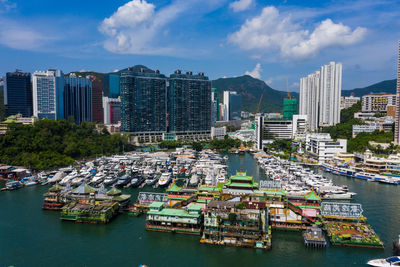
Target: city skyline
221	38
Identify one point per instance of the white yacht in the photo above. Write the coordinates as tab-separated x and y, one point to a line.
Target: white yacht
392	261
194	180
165	179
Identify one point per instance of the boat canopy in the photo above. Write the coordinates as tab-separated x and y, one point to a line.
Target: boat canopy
56	188
114	192
393	259
174	188
84	189
312	196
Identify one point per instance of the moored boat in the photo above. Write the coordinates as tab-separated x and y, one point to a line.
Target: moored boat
392	261
165	179
13	185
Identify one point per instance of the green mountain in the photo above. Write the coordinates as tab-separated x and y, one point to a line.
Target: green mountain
388	86
100	75
251	90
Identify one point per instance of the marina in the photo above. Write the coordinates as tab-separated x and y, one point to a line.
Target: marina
207	196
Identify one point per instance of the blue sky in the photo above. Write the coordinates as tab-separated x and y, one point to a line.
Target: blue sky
270	40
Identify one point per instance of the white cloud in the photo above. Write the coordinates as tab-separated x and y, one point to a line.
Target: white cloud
269	81
256	72
21	37
294	85
138	27
130	28
240	5
271	31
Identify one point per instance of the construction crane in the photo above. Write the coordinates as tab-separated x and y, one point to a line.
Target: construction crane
259	103
287	89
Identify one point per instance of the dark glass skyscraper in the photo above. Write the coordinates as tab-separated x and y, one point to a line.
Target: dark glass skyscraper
143	102
189	102
97	99
78	98
112	85
18	94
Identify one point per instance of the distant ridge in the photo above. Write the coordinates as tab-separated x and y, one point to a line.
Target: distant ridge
251	90
388	87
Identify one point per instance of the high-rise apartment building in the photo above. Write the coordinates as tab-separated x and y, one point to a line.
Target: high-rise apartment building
330	93
78	98
259	125
309	99
143	102
18	94
320	95
397	120
189	103
233	106
48	94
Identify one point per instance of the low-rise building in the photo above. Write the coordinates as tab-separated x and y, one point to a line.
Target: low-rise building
218	132
17	119
279	129
322	147
234	224
364	129
372	124
185	221
299	127
348	101
377	102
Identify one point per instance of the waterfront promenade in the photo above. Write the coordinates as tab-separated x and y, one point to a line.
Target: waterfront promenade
33	237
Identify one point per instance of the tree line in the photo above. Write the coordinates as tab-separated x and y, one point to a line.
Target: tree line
49	143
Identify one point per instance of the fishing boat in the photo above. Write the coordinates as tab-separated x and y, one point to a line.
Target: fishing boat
391	261
165	179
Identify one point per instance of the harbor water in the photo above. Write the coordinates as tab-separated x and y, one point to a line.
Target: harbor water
30	236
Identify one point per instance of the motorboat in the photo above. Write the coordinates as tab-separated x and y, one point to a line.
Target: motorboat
123	180
29	181
136	181
340	196
391	261
165	179
151	180
56	178
194	180
110	180
13	185
98	178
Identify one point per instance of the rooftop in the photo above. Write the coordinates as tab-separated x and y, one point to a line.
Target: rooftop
173	212
156	205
